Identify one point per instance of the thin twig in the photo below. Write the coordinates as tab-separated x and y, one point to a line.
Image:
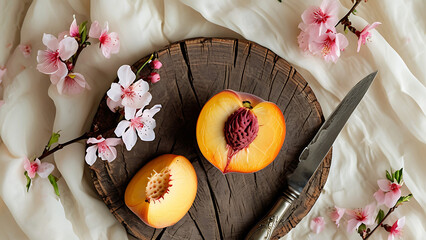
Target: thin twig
60	146
349	13
147	61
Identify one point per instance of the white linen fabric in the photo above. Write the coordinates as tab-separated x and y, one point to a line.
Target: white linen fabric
387	130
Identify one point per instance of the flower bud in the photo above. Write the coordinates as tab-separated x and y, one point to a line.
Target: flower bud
156	64
154	77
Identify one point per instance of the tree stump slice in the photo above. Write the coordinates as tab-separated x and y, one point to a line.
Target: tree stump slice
226	206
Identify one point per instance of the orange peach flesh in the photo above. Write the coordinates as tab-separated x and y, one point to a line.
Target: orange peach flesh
162	192
211	137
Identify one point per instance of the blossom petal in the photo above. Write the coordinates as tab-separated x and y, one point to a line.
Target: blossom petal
130	138
341	41
45	169
60	74
146	134
95	30
45	64
379	196
303	41
106	51
126	76
331	8
72	84
91	155
114	43
27	167
307	15
109	154
400	223
67	47
337	214
369	213
67	86
113	154
384	185
374	25
360	42
95	140
50	41
392	197
353	224
113	141
112	105
149	113
129	112
140	87
115	92
138	101
31	174
317	225
106	27
80	80
121	127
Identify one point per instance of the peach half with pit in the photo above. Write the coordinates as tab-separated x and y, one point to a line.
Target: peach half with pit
162	191
240	132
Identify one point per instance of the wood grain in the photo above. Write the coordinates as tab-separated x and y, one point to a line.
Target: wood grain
226	206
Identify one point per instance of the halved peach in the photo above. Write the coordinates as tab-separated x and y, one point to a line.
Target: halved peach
240	132
162	191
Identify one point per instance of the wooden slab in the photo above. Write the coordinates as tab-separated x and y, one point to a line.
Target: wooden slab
226	206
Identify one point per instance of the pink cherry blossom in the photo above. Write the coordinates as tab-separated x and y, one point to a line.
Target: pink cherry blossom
50	61
154	77
113	106
317	225
361	216
142	123
2	73
304	37
105	148
42	169
74	31
396	229
323	17
70	84
131	95
110	43
365	34
337	214
329	45
1	103
156	64
388	194
25	49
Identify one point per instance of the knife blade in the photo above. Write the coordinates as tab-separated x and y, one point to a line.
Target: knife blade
310	159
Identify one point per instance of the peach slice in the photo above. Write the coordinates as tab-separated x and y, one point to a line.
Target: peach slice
239	132
162	191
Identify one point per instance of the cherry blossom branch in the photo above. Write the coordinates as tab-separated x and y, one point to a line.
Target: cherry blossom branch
379	224
349	13
77	54
60	146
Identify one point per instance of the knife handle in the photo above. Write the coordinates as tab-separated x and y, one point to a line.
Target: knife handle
264	229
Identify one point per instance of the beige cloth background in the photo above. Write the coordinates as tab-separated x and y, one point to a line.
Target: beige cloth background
388	129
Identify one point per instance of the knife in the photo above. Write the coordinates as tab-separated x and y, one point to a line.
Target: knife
310	159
